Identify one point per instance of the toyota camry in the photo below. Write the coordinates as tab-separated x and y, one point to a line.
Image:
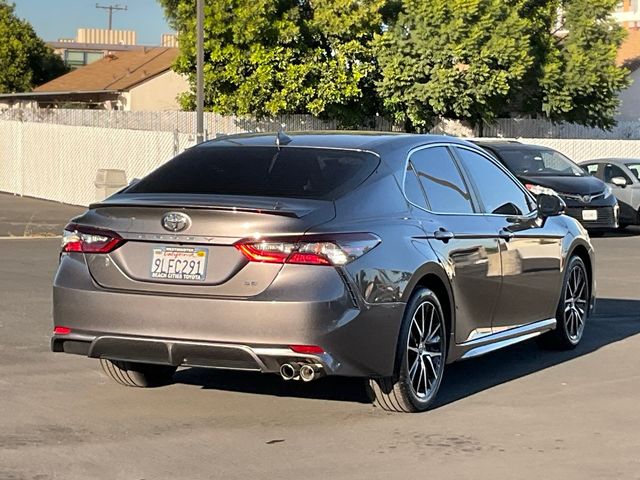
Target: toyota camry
382	256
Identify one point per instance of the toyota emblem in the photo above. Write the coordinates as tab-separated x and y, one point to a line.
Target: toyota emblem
586	198
176	221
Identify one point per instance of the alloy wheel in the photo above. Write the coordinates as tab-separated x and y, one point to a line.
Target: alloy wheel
575	303
425	348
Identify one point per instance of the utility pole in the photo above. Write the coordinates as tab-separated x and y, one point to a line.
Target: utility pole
111	8
200	73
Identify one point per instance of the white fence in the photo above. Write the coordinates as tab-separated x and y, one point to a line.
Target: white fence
185	122
59	162
539	128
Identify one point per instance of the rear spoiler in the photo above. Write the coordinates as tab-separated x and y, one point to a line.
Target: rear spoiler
179	205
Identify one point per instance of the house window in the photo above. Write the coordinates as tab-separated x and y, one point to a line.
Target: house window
93	56
79	58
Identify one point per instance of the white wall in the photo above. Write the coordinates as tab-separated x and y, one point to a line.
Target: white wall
630	99
157	94
580	150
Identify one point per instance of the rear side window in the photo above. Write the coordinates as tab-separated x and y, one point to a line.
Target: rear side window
313	173
441	181
412	188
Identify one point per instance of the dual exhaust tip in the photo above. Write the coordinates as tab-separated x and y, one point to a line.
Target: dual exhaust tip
306	372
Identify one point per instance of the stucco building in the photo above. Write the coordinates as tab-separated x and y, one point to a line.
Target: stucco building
629	56
628	14
135	80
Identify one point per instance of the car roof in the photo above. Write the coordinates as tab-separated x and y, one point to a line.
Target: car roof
376	142
611	160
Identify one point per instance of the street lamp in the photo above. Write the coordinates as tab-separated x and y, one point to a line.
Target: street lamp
200	73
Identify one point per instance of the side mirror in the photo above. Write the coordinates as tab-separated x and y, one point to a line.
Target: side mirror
550	205
619	182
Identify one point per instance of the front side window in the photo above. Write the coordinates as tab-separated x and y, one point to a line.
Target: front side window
441	181
611	171
539	161
498	192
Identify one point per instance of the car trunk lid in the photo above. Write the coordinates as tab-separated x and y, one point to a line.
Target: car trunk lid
216	223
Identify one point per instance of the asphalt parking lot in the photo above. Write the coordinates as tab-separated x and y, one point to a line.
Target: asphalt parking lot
519	413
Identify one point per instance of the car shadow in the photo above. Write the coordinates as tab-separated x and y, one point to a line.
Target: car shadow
614	320
327	388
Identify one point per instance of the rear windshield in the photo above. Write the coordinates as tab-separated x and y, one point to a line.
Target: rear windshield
261	171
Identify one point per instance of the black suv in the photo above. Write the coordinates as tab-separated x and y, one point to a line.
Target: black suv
544	170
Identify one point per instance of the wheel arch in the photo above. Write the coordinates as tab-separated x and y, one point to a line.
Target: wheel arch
433	277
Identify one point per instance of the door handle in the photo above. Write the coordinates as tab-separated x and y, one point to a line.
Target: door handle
506	234
443	235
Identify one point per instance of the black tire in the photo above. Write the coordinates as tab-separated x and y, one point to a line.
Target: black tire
140	375
427	356
623	226
570	325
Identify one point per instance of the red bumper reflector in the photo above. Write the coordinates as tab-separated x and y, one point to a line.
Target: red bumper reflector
61	330
313	349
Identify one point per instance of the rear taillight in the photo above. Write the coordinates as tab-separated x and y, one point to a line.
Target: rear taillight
80	238
336	249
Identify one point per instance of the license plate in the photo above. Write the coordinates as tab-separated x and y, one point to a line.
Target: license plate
590	215
179	263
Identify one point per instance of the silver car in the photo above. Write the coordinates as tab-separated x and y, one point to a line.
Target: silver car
623	176
382	256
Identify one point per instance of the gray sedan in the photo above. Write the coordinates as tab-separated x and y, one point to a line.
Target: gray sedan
364	255
623	175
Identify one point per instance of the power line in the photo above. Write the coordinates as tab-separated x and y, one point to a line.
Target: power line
111	8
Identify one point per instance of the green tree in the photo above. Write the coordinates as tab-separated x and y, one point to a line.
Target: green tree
452	58
579	80
268	57
25	60
480	59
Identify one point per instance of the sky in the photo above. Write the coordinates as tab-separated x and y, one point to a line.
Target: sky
53	19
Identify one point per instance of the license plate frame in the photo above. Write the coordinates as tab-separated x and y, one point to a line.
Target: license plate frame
179	264
590	215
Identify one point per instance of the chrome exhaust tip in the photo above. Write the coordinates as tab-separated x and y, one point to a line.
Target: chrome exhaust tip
290	371
310	372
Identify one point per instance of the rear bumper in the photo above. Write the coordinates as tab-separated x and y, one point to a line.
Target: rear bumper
305	305
186	353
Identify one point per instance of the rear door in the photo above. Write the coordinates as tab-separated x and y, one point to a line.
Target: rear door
182	222
465	242
530	248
